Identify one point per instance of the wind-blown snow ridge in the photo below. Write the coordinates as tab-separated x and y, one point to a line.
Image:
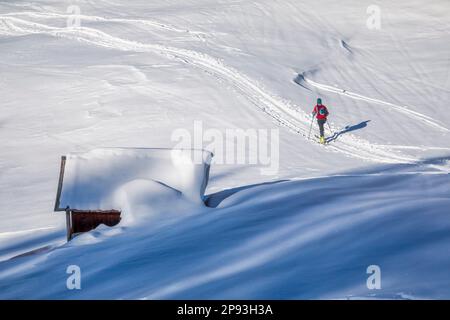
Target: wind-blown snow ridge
403	109
7	234
281	110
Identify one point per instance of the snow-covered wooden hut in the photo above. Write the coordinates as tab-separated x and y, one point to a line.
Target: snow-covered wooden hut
90	182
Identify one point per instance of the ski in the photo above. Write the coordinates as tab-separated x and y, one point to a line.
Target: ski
318	138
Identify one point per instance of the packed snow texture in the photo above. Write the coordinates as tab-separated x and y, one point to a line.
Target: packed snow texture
132	73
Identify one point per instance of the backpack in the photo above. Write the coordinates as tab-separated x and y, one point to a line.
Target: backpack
322	111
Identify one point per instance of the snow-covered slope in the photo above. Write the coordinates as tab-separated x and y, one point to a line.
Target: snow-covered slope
134	73
272	240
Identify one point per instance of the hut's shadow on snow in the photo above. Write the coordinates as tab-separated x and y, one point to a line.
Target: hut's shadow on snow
347	129
214	199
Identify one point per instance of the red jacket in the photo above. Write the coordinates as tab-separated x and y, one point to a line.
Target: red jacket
321	112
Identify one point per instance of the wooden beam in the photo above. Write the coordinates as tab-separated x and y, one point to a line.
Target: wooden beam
69	224
60	184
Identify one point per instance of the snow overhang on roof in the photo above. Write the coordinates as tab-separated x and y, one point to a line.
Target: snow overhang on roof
89	180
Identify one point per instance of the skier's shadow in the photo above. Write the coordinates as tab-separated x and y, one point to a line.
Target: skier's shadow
347	129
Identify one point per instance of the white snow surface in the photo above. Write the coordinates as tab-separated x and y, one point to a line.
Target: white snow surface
135	72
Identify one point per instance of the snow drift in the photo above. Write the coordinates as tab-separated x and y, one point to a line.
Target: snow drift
279	240
135	181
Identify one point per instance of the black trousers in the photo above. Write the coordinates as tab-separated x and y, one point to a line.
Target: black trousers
321	123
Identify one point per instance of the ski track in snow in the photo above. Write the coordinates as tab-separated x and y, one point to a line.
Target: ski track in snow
403	109
148	23
281	110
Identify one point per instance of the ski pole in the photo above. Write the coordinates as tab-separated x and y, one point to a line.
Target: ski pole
310	126
331	131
